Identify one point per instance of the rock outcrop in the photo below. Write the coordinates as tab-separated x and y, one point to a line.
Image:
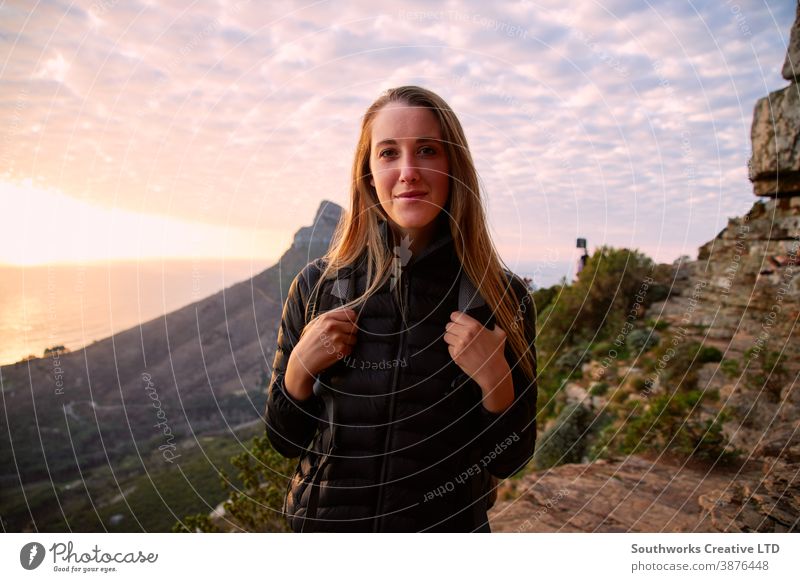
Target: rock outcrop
775	165
791	66
628	495
742	296
316	238
775	133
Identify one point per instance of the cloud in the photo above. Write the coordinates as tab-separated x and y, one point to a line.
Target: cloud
225	111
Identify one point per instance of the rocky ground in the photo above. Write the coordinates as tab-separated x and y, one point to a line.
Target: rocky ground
626	495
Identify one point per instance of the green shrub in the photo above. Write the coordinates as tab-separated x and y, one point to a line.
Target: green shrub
771	375
672	422
641	340
640	384
572	359
619	395
730	368
255	505
594	307
657	324
607	349
677	360
601	349
542	298
550	382
565	441
657	292
708	354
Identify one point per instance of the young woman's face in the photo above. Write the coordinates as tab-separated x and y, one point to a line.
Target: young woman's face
410	169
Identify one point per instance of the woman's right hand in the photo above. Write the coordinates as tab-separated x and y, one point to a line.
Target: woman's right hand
326	339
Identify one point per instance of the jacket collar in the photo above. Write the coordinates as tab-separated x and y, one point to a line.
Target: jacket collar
441	238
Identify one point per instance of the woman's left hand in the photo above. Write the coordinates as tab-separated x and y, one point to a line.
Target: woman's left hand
478	351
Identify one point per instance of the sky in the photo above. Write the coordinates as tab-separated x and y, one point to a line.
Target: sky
165	129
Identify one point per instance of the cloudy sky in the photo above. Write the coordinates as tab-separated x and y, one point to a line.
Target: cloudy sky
174	129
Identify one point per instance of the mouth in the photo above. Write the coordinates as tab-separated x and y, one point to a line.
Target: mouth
411	194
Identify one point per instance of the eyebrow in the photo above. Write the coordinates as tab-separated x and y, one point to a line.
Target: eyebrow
391	141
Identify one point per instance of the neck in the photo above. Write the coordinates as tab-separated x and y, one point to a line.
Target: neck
419	238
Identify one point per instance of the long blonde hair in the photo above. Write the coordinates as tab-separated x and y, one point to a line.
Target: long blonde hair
358	232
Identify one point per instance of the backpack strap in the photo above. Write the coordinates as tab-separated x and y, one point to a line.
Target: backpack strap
468	295
471	302
484	485
342	289
314	286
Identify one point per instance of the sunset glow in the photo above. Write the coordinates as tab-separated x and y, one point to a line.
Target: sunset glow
44	226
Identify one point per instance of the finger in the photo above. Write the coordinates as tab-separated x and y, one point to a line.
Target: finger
342	329
342	314
457	333
453	352
452	339
344	317
463	329
461	318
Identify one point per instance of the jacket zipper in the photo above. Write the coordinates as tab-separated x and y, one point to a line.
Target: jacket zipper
400	351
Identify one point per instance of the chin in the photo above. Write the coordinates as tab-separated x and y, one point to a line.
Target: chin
415	221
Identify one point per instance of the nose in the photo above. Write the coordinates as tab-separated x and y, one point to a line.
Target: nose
409	173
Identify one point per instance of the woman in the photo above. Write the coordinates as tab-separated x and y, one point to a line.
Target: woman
402	389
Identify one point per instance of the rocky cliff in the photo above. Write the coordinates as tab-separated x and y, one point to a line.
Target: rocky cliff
742	296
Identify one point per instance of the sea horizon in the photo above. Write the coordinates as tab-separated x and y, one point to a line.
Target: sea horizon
75	305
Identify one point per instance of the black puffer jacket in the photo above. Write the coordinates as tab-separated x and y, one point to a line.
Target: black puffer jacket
399	439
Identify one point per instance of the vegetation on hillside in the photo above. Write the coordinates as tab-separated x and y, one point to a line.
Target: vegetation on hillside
639	379
255	498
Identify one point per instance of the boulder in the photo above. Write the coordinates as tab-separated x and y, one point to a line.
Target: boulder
775	135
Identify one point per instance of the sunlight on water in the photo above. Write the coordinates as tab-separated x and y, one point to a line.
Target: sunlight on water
74	305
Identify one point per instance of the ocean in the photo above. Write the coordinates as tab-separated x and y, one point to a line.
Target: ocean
75	305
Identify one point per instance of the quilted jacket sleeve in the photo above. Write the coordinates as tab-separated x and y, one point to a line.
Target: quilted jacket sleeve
509	437
291	423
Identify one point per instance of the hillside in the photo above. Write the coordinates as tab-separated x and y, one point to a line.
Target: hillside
137	402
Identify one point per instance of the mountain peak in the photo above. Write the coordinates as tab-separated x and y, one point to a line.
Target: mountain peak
321	230
328	211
